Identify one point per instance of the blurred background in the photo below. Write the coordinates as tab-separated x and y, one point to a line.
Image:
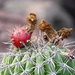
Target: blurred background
60	13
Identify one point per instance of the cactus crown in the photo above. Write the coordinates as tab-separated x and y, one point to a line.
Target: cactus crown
44	56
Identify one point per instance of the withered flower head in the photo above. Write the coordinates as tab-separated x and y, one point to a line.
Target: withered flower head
32	18
51	34
64	32
47	28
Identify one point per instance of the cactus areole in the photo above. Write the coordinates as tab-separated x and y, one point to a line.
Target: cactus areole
19	37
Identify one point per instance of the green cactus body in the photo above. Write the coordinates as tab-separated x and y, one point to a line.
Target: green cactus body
38	57
45	61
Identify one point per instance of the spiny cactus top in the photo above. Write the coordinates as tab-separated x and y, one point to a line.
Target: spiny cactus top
46	55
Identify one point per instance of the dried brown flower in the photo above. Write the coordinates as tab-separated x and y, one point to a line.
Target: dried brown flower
64	32
32	20
47	28
50	33
55	36
61	35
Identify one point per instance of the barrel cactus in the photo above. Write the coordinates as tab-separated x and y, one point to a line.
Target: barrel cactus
43	55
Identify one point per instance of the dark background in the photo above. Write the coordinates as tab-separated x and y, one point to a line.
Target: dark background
60	13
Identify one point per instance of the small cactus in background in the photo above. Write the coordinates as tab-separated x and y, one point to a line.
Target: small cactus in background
44	56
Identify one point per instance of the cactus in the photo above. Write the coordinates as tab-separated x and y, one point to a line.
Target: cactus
44	56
